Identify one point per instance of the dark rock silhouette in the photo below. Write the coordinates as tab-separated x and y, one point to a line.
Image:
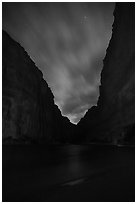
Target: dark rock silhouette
29	112
113	119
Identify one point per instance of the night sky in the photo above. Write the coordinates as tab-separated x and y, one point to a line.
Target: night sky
67	41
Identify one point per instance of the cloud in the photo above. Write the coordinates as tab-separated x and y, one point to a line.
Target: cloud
67	41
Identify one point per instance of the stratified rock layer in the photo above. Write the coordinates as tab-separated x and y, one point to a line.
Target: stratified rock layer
113	119
29	112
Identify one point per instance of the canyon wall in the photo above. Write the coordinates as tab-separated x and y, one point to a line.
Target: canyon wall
29	114
113	118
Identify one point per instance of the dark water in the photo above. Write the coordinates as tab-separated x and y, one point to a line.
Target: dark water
68	173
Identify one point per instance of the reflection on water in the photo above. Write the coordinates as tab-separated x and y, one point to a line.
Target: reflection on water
29	168
74	182
75	165
68	161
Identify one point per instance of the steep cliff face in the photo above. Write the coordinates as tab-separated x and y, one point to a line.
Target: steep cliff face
114	117
29	112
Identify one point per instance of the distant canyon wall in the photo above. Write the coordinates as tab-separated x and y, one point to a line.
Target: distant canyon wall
114	118
28	110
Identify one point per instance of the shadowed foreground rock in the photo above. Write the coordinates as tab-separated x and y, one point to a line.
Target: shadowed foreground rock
29	112
113	119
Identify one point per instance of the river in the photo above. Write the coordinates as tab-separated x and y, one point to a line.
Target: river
94	173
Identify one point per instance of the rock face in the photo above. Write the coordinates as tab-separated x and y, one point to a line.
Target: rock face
113	119
28	110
